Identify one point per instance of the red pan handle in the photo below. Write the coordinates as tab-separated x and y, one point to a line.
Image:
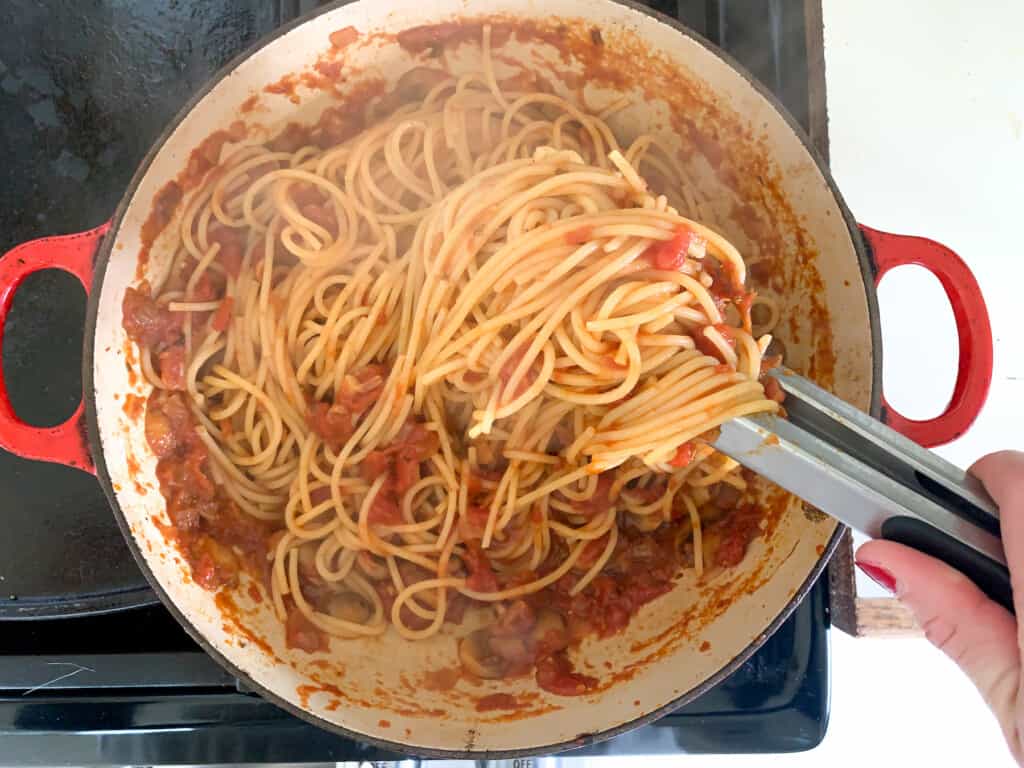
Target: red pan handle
66	443
974	371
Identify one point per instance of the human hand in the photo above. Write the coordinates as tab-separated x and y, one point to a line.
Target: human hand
979	635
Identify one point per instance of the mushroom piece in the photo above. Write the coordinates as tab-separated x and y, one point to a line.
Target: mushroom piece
477	657
307	562
726	496
348	606
549	633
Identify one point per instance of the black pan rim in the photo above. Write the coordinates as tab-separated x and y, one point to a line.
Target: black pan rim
868	271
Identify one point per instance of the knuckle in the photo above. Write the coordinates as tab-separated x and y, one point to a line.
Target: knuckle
941	633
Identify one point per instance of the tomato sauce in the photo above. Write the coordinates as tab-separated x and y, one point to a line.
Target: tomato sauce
671	254
218	539
684	455
642	567
497	701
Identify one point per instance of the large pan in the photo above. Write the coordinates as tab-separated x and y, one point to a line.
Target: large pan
777	202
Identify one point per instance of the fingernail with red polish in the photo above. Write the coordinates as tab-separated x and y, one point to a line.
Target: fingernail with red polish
879	575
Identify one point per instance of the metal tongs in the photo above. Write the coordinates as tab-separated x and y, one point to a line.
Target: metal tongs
872	478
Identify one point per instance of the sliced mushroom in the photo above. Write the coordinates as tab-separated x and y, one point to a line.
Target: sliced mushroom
725	496
712	512
307	562
477	657
710	541
549	631
348	606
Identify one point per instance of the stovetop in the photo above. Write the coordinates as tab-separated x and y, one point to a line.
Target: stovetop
84	89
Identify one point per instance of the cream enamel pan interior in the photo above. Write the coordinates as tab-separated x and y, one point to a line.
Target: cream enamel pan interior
679	644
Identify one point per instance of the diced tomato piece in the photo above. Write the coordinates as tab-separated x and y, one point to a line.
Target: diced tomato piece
147	322
230	524
374	465
205	290
384	509
172	367
684	455
481	576
199	482
671	254
222	317
361	389
407	474
301	634
556	675
343	37
182	507
331	423
579	236
174	407
415	442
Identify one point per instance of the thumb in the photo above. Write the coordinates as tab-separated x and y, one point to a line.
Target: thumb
956	616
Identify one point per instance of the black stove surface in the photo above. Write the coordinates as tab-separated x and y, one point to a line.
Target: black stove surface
85	87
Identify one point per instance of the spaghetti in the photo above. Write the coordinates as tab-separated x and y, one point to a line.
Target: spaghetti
453	353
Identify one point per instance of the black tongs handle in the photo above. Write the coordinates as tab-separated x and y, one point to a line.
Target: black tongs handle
991	577
872	478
